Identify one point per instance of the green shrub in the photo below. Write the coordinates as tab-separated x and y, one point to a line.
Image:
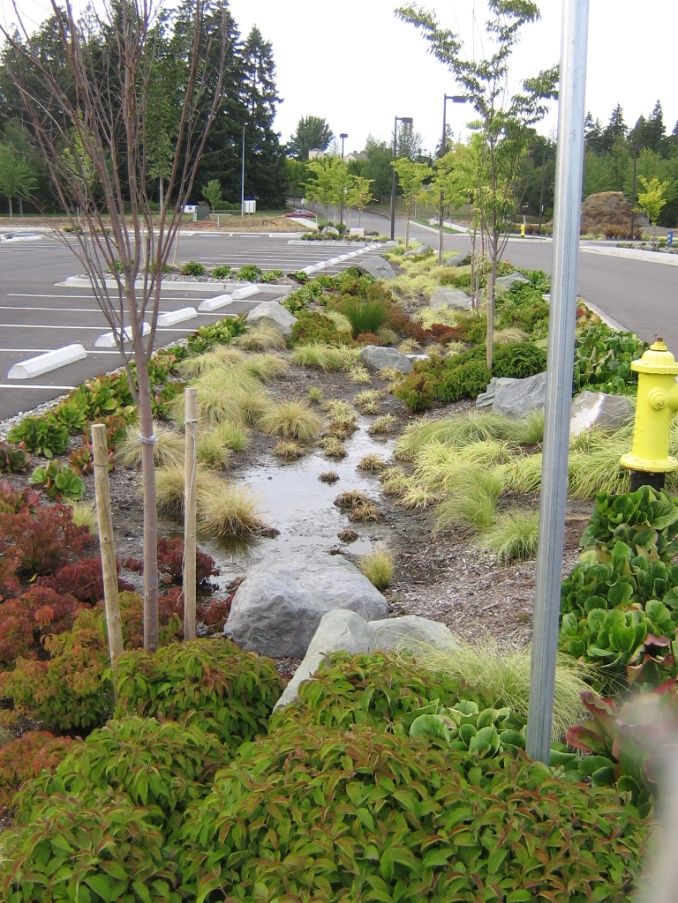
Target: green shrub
209	683
193	268
12	458
162	765
518	360
523	307
221	333
465	380
603	358
223	271
313	327
272	276
58	481
417	391
249	272
367	816
96	849
43	435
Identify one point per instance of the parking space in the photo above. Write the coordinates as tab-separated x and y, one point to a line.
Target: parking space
41	310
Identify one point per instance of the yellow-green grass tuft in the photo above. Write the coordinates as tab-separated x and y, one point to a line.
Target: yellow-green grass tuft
222	357
378	567
522	474
368	400
509	335
456	431
391	377
409	346
429	316
441	467
333	447
471	504
168	448
227	511
329	476
372	464
359	374
322	357
169	487
264	336
265	367
315	395
84	515
513	536
415	496
211	451
291	420
503	675
288	450
382	426
393	481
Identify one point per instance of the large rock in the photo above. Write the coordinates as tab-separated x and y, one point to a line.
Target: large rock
376	357
346	631
504	283
329	230
376	266
339	630
277	608
421	251
514	397
450	297
275	313
598	411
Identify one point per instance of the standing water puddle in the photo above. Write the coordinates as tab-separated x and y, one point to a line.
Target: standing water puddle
291	498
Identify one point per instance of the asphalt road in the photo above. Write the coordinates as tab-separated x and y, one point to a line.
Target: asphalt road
39	312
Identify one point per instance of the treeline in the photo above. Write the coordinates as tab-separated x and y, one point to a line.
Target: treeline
249	102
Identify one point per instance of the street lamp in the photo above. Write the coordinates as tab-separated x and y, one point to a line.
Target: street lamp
455	98
242	175
343	136
406	120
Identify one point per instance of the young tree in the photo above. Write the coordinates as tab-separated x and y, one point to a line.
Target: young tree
374	163
296	177
446	188
359	194
17	177
84	110
329	182
212	193
411	178
651	201
312	132
505	123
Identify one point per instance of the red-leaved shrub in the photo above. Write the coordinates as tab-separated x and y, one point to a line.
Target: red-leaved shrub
82	579
28	618
28	756
41	539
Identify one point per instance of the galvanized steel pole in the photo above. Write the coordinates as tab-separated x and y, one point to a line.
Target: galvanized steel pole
569	167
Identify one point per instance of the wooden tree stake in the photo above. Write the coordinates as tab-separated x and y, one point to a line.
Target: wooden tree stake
106	542
191	426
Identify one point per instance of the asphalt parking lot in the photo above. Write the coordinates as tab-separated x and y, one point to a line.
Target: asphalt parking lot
41	311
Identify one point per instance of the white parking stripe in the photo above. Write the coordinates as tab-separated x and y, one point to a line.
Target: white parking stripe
25	386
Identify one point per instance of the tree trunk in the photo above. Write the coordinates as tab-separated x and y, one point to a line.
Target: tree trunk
151	626
441	220
161	189
407	228
11	209
21	206
491	282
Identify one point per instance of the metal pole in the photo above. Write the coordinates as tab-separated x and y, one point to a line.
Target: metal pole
569	169
242	176
343	137
393	179
633	194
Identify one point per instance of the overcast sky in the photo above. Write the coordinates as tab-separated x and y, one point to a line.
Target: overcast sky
355	64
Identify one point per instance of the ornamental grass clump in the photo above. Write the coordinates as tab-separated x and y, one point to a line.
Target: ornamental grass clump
441	467
168	449
457	431
513	536
225	511
378	567
321	357
291	420
332	447
368	400
170	483
365	315
372	464
211	451
471	503
287	450
382	426
265	367
263	336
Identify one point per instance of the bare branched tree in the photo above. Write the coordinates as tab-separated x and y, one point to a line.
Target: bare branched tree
90	108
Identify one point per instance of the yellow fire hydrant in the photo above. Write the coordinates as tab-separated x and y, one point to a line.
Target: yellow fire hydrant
522	230
657	402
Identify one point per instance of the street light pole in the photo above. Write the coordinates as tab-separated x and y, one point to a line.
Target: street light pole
406	120
343	136
242	176
455	98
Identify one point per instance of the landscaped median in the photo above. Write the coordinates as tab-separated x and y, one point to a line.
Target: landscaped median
398	770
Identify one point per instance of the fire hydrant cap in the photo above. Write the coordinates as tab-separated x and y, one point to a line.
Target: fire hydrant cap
657	359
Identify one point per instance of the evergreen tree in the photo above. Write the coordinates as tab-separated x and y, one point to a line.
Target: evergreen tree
312	132
615	130
265	177
655	132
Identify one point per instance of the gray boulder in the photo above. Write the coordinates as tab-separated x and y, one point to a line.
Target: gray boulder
514	397
598	411
422	251
277	608
504	283
329	230
376	266
376	357
339	630
275	313
346	631
411	632
450	297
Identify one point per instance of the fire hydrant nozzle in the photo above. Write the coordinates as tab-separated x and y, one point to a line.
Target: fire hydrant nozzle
657	401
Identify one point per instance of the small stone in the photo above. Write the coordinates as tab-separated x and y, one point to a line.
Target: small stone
376	357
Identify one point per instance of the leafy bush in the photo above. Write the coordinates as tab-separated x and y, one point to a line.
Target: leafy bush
41	435
417	391
378	817
518	360
209	683
41	538
72	413
28	756
223	271
13	459
98	849
220	333
463	380
523	307
82	579
105	396
645	520
163	765
603	358
29	618
193	268
249	272
271	276
58	481
313	327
